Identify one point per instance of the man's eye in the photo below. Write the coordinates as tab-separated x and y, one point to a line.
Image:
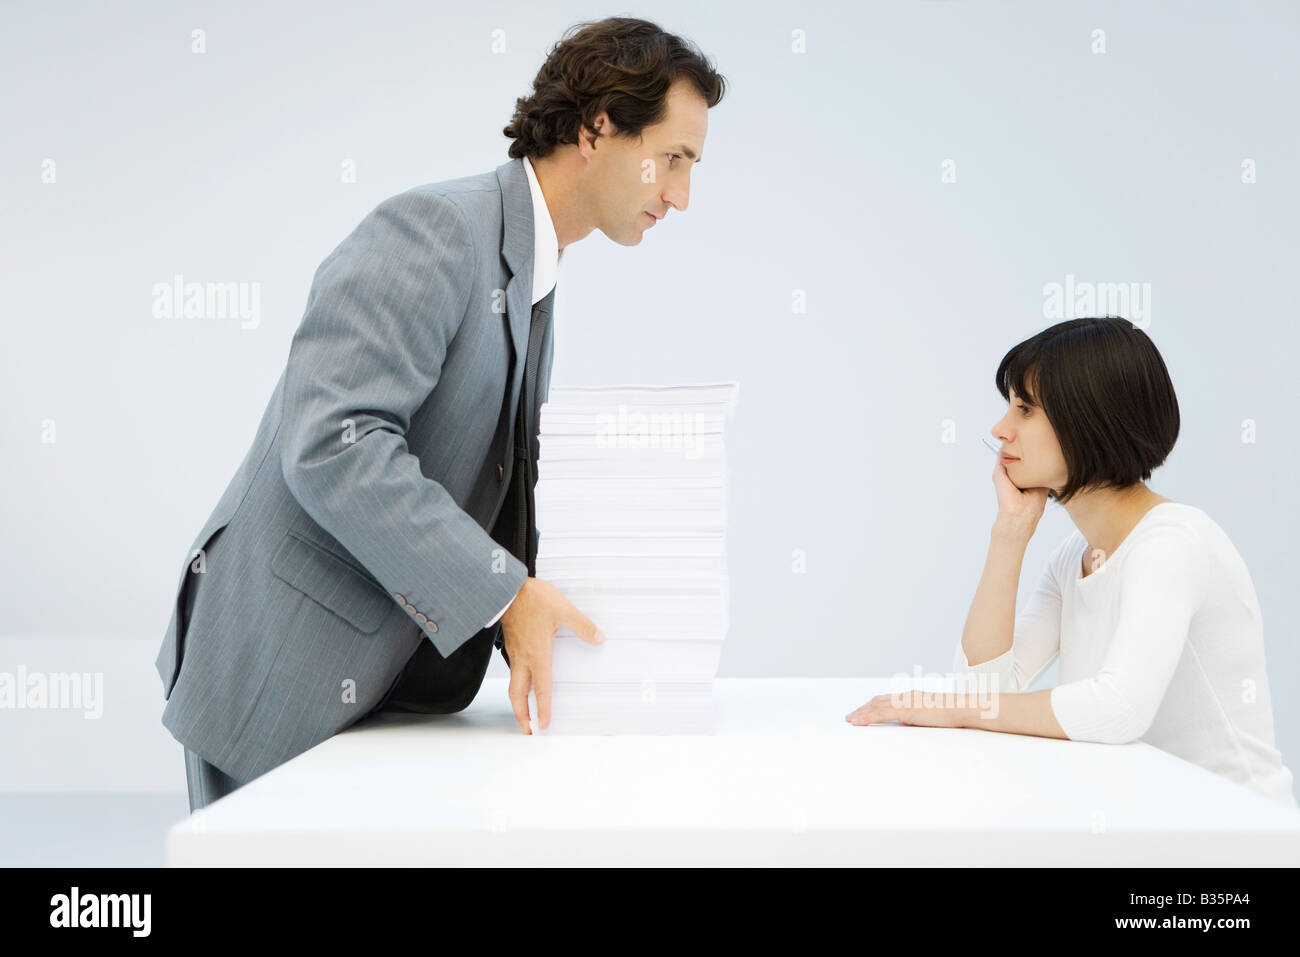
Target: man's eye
671	157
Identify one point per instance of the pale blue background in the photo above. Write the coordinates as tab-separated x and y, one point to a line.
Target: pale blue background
821	173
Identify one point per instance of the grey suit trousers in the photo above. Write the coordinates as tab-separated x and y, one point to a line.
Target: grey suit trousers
206	782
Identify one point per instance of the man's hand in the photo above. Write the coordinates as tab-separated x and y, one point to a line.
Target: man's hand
528	628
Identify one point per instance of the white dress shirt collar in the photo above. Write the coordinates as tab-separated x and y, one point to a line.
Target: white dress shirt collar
546	254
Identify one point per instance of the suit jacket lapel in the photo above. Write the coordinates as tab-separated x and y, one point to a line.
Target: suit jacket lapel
517	250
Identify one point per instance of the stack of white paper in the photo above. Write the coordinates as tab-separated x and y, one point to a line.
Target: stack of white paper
632	518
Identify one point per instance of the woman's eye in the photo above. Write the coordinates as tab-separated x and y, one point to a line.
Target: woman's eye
671	157
1024	409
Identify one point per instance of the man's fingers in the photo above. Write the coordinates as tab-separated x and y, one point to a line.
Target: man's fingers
569	616
542	688
519	695
583	627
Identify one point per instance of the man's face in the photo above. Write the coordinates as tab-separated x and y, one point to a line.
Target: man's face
632	182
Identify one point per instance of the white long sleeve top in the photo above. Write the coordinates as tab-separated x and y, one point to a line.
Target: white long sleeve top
1160	643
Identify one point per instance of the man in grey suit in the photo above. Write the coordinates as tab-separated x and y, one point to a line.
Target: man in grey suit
379	538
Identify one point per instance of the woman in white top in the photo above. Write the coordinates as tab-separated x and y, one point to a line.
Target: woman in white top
1148	604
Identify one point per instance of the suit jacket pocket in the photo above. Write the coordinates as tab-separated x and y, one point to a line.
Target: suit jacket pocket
332	582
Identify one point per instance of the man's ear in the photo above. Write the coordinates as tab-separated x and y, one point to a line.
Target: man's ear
601	129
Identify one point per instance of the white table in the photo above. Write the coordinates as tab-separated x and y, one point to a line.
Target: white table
785	780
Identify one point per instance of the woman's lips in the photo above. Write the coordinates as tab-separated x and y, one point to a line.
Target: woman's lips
1008	458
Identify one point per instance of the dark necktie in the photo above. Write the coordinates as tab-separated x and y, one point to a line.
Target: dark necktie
526	537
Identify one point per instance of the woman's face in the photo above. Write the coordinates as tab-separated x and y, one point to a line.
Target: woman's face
1025	433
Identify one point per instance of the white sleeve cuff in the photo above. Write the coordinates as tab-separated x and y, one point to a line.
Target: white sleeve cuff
497	616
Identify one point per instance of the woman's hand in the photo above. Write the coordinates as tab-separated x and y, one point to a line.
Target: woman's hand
922	708
1018	509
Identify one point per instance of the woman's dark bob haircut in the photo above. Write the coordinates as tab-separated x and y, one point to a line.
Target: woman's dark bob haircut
619	65
1107	394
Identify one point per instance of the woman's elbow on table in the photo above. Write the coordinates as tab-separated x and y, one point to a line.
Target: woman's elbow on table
1117	722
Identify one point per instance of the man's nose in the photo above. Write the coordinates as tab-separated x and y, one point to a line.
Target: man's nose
678	197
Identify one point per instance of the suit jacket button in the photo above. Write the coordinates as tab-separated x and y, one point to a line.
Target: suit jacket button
410	607
400	598
433	626
422	618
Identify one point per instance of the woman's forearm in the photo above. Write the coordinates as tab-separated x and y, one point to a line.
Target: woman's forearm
1025	713
991	622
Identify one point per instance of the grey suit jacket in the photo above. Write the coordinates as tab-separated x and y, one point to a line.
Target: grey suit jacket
357	525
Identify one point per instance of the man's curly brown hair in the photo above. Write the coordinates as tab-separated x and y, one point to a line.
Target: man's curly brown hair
620	65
